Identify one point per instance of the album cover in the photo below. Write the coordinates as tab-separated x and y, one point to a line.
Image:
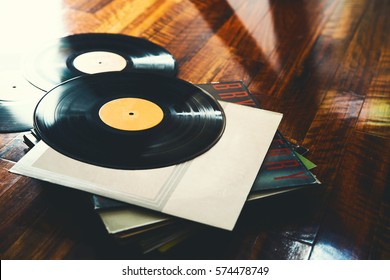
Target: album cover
191	190
160	239
132	218
100	202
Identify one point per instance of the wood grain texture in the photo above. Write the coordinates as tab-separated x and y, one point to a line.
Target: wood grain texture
323	64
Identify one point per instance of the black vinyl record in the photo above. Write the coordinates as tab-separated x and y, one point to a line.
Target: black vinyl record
18	99
129	120
91	53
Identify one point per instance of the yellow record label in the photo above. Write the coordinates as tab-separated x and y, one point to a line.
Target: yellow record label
131	114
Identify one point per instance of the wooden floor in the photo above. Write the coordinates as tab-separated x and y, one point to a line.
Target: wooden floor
324	64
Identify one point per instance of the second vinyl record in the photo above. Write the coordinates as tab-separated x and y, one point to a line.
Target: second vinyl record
90	53
129	120
18	99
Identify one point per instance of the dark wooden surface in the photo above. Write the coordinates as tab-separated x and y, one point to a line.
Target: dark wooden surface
324	64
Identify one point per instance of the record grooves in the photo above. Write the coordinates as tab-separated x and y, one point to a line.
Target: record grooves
90	53
18	99
152	121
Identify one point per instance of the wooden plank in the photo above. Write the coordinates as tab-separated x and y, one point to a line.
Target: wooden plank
356	221
15	149
375	115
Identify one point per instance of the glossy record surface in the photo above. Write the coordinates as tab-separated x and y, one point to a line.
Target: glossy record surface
67	119
54	62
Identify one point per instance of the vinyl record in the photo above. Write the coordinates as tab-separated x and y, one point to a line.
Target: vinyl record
18	99
129	120
91	53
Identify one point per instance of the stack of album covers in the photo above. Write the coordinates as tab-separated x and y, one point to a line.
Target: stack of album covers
285	168
162	158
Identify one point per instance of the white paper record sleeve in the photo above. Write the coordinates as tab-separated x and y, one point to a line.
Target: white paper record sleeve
210	189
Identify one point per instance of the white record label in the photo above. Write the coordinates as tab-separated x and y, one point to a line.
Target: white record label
99	61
